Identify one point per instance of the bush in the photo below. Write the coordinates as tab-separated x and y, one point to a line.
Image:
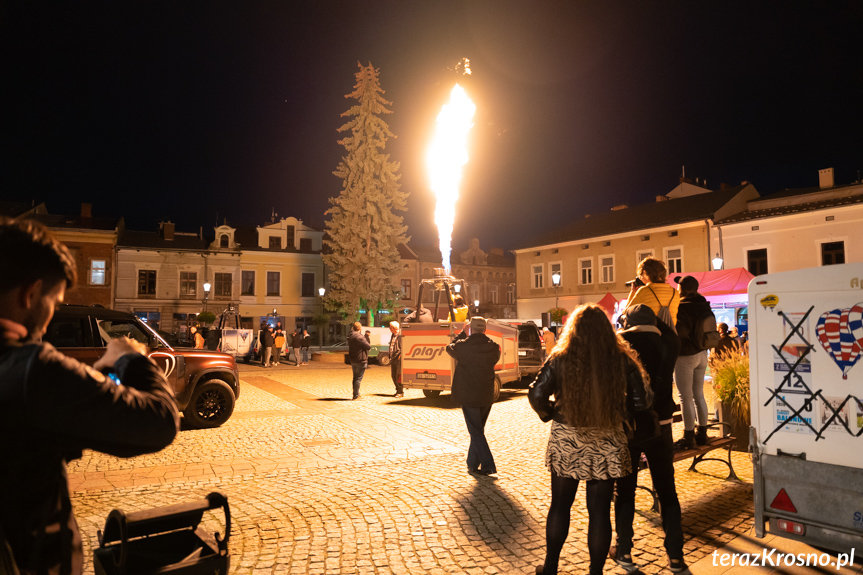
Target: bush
557	314
731	382
206	317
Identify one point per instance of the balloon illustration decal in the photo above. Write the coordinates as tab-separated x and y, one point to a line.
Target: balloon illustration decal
840	332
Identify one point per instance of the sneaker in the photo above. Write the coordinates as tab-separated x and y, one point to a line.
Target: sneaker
623	559
677	565
399	395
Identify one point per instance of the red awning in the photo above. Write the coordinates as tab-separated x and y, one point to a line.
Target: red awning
720	286
607	303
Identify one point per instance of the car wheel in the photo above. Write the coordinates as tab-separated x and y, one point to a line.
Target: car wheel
211	404
496	388
384	359
431	392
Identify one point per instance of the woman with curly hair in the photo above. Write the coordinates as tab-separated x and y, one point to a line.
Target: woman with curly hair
594	378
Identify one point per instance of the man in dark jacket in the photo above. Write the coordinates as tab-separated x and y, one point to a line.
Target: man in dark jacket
657	354
296	344
691	365
473	388
396	358
268	340
358	355
52	407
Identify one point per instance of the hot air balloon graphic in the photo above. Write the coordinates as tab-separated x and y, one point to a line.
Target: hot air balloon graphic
836	334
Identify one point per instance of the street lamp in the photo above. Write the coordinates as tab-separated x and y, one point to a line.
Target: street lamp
321	292
207	287
555	281
717	262
476	306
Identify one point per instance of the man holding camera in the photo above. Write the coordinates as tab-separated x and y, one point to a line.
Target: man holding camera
52	407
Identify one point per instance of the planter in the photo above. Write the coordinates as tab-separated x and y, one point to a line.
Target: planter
329	356
739	428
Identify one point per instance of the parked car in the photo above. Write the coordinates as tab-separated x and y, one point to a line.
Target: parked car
531	351
206	383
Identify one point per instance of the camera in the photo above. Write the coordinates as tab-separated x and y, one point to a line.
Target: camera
636	283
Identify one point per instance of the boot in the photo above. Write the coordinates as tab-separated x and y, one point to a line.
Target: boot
687	442
701	435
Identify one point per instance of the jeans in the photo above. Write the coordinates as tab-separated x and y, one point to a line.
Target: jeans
660	458
359	370
268	352
478	454
689	376
305	352
296	356
395	373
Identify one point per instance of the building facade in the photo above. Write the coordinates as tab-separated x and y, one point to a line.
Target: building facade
599	254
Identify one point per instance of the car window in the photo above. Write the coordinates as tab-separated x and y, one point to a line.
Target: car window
528	335
112	329
65	332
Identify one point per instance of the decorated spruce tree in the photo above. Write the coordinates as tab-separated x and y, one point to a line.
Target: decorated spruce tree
364	227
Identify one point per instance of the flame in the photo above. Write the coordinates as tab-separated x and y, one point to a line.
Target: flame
446	157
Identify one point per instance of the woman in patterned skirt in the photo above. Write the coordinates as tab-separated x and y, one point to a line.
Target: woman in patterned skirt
587	374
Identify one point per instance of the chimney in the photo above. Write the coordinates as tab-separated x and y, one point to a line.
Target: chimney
723	186
620	207
496	251
168	231
661	198
86	211
825	178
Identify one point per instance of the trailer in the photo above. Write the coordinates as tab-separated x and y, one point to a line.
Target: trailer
426	332
233	339
806	390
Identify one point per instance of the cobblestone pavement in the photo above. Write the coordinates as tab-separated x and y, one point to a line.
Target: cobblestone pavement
321	484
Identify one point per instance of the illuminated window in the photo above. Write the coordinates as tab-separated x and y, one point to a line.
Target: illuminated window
97	272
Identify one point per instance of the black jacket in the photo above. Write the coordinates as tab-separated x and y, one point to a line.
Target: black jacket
306	340
51	408
657	356
548	380
268	339
297	340
691	307
473	380
358	348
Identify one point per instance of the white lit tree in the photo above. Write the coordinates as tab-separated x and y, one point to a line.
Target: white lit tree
364	227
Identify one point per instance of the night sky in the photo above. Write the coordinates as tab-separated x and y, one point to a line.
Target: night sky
200	111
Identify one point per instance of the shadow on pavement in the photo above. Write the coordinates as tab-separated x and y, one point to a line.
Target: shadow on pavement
444	402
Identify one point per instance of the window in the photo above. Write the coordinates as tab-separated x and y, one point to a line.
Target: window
492	294
291	240
223	285
756	261
510	295
639	256
832	253
606	264
188	284
275	243
223	241
556	268
537	277
67	332
406	289
585	271
305	244
248	287
151	318
97	272
674	260
146	282
273	281
307	288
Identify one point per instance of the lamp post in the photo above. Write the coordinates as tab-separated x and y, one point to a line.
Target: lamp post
321	292
476	307
207	287
555	281
717	262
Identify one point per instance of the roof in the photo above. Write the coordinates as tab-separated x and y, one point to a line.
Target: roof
432	255
75	222
155	240
793	208
664	213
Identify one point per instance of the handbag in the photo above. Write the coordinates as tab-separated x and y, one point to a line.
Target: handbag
641	422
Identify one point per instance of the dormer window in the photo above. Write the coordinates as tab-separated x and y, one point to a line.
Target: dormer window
275	243
223	241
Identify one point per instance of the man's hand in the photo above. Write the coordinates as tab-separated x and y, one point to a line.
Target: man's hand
117	348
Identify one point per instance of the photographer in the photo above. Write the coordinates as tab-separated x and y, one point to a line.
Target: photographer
52	407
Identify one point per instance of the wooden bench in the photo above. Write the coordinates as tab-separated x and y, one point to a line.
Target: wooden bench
725	441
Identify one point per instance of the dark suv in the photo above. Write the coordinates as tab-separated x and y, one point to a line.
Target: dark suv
531	351
206	383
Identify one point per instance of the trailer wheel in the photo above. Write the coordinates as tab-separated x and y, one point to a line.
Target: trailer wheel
496	388
431	392
384	359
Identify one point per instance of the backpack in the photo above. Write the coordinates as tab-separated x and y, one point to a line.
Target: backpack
704	333
664	313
